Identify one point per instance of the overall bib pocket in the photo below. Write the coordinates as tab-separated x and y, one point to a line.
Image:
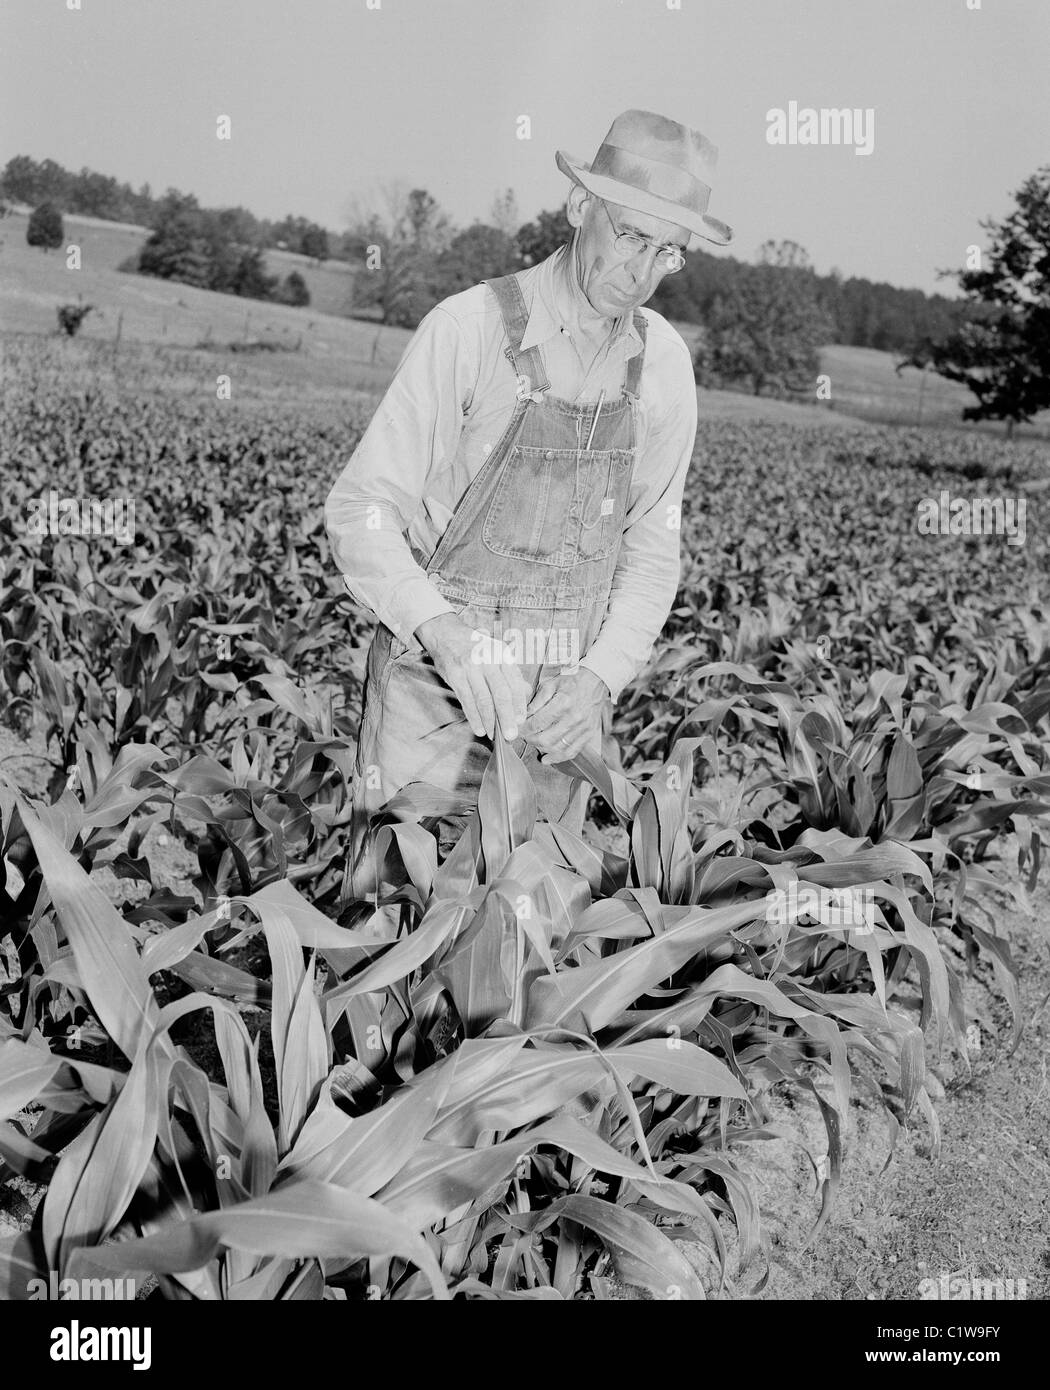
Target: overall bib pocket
558	506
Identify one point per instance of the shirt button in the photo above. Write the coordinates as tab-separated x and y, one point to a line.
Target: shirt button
549	454
486	448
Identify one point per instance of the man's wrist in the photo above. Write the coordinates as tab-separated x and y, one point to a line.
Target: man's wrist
592	679
430	632
415	608
609	672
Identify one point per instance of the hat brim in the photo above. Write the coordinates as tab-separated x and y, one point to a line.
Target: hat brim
701	225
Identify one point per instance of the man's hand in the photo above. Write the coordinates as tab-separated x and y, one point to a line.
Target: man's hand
480	673
564	714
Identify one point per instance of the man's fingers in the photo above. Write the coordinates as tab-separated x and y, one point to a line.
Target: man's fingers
519	692
498	685
560	733
464	692
490	695
555	711
483	698
560	750
545	692
572	740
504	700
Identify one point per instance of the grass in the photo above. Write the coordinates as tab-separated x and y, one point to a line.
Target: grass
328	350
333	352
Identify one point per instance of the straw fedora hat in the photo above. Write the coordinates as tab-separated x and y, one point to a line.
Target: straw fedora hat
654	165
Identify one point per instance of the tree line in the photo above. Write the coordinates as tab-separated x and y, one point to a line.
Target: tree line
89	194
424	257
761	324
192	245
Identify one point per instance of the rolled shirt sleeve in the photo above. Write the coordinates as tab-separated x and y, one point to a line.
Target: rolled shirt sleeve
649	565
371	505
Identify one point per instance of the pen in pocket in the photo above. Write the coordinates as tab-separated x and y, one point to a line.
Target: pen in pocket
597	412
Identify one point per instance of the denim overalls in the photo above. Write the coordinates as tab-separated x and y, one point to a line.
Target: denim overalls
528	556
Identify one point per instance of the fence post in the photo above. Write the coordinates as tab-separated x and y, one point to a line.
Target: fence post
922	389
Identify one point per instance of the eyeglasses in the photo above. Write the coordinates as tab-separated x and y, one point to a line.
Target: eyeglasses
628	244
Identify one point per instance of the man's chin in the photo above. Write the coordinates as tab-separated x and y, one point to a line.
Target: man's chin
613	305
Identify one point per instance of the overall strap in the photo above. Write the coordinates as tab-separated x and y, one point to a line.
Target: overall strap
511	301
633	380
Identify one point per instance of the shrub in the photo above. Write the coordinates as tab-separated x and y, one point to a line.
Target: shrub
293	290
45	227
71	316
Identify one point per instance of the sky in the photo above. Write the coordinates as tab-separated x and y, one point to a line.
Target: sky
330	100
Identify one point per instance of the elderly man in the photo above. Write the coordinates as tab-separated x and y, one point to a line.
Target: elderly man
511	513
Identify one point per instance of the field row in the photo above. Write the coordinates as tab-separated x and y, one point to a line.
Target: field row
532	1065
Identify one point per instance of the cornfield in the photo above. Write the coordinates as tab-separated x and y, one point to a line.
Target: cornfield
527	1070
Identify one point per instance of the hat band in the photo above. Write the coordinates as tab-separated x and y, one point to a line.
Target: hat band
652	176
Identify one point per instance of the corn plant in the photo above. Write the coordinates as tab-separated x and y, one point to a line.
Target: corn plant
531	1067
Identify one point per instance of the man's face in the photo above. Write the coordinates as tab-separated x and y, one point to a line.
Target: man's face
616	284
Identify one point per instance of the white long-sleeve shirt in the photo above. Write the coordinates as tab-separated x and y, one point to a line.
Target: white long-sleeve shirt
450	400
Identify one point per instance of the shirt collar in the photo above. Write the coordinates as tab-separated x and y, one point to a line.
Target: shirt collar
551	309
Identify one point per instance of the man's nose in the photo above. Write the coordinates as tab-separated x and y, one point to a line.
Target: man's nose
643	263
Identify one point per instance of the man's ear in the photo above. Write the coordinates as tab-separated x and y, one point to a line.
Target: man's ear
575	203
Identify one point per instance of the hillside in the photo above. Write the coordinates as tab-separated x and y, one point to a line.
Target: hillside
328	350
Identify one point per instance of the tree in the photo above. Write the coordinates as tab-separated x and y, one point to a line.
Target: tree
250	279
195	247
478	253
299	235
540	239
397	250
766	329
504	215
178	250
21	180
788	255
314	242
294	290
45	227
171	205
237	225
690	295
429	229
1002	353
